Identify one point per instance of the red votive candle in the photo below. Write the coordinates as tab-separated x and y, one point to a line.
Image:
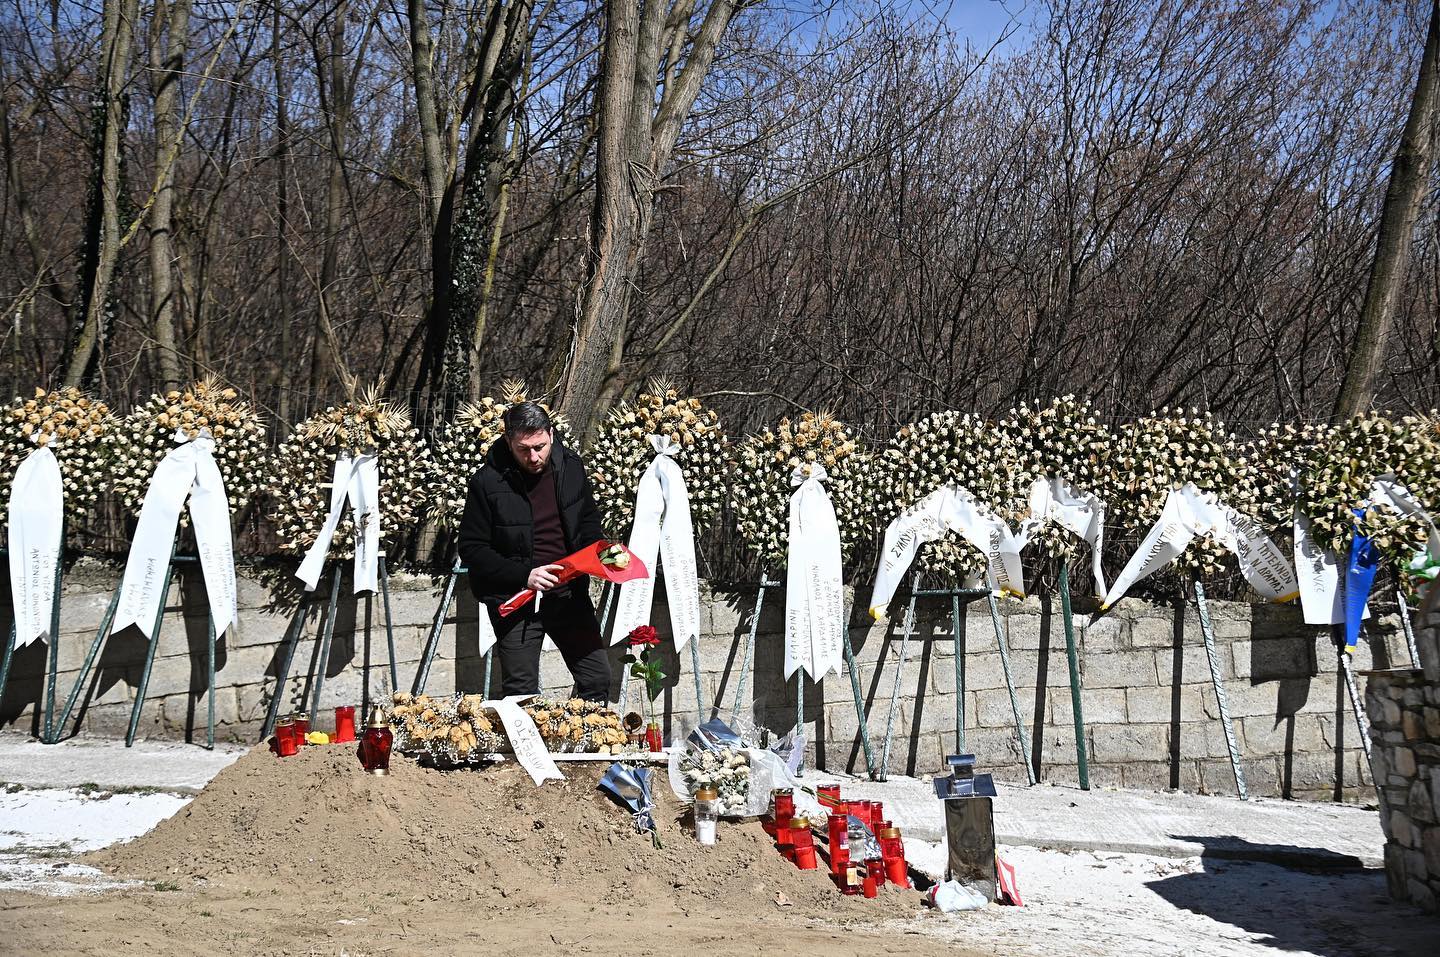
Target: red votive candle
877	815
784	838
302	728
652	738
375	744
285	739
850	882
784	800
897	871
871	889
344	723
893	847
876	867
829	796
804	841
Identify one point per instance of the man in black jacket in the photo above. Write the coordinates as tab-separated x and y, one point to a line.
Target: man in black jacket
529	506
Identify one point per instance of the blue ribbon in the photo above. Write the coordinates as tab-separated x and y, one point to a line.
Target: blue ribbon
1359	579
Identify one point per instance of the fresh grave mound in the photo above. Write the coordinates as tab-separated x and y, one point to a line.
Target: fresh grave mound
487	836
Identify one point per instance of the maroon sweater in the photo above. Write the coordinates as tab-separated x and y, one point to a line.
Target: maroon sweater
549	533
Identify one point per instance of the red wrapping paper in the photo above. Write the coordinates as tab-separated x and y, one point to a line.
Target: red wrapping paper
584	562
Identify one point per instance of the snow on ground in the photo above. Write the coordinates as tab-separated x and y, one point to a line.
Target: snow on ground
41	828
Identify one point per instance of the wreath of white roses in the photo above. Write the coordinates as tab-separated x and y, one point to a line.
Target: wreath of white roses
462	444
74	427
621	452
761	488
1342	464
1162	452
299	483
1063	440
147	435
940	449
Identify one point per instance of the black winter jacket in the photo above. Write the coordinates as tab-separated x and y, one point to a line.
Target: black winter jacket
497	530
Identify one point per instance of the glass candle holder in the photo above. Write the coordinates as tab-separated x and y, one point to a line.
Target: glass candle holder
876	866
344	724
784	801
707	814
285	738
375	745
869	887
653	740
804	841
785	838
302	728
829	795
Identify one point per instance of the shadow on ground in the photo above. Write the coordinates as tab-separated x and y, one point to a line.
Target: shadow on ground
1310	904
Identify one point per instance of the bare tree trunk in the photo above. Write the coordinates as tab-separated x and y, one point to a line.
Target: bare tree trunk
335	199
167	60
635	143
116	43
1409	182
282	165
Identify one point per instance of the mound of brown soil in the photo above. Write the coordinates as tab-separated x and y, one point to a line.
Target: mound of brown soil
487	837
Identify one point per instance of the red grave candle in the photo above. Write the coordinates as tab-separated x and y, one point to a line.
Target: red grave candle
870	887
344	724
876	867
302	728
784	838
653	740
829	796
374	750
285	738
784	800
804	842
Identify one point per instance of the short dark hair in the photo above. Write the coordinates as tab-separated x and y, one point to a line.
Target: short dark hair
523	418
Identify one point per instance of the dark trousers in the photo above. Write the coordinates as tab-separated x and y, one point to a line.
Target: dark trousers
568	617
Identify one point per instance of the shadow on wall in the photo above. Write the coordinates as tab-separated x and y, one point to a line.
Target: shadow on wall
1299	899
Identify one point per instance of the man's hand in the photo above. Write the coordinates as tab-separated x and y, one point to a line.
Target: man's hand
543	578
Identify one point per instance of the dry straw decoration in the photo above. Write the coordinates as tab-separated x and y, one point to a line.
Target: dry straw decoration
74	427
147	435
761	487
1342	464
1063	440
622	451
943	448
299	483
461	446
1163	451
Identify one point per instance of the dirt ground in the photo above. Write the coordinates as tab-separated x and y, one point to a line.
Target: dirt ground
310	856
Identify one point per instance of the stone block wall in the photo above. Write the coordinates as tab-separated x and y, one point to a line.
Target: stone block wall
1151	715
1405	727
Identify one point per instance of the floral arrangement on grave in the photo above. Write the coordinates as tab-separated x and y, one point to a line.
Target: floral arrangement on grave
74	427
725	769
763	481
643	658
623	449
462	444
1276	457
1338	475
448	730
364	452
578	725
1060	440
941	449
148	434
1162	452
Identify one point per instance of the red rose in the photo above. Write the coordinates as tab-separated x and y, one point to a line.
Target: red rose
643	635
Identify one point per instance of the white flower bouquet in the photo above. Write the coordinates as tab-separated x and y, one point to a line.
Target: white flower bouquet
1063	440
